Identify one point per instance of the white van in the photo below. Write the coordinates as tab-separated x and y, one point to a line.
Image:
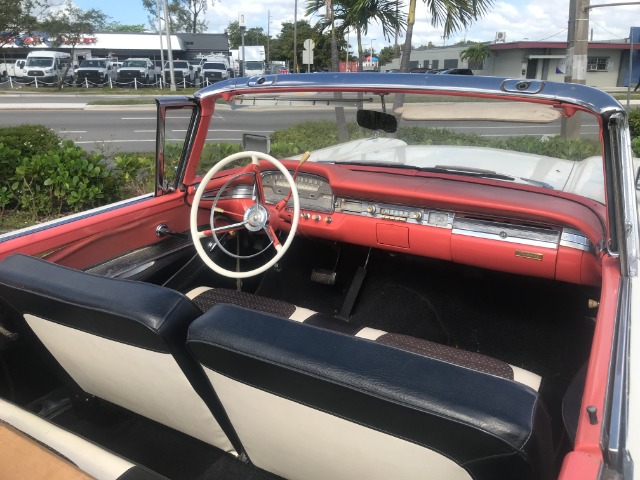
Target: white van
47	67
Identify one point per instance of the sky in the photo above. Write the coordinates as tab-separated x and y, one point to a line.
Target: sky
532	20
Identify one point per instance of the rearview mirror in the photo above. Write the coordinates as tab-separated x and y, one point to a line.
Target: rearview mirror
374	120
255	143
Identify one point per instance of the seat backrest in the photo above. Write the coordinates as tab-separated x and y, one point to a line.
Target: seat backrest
309	403
119	340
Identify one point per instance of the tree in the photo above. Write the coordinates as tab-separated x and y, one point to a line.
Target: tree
184	15
190	16
357	15
282	46
18	17
385	12
386	55
119	27
252	36
67	25
453	15
475	55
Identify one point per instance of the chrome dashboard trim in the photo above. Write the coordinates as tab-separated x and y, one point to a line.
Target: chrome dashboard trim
571	238
395	212
506	232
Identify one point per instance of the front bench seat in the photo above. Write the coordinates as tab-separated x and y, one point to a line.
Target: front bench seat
310	403
119	340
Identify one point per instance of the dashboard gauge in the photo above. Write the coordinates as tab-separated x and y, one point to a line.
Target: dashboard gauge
315	192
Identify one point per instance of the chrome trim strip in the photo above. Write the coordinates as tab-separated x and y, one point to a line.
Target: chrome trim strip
508	239
394	212
72	218
571	238
616	408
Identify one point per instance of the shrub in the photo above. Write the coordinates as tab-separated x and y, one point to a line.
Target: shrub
309	136
133	174
634	122
635	146
212	153
29	139
9	159
61	180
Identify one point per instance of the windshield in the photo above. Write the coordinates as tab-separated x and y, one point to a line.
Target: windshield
135	63
511	142
253	65
180	64
93	63
214	66
39	62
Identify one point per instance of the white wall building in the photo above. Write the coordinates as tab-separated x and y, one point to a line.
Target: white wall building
607	66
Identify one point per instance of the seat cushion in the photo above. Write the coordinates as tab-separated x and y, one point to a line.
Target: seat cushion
206	298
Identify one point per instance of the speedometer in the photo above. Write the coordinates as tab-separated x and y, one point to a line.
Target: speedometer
314	191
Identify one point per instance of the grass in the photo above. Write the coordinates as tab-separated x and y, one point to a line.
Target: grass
14	220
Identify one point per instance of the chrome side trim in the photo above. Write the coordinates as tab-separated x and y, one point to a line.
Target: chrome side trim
239	191
74	217
616	414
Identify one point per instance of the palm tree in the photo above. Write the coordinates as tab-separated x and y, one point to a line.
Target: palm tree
475	55
359	13
453	15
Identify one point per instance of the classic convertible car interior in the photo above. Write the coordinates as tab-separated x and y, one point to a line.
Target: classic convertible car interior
398	276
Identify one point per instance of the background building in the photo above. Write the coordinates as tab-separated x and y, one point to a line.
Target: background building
184	46
607	66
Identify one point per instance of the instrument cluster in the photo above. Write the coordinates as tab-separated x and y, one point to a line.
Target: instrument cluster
314	191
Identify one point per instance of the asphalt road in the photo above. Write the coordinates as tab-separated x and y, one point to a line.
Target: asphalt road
132	128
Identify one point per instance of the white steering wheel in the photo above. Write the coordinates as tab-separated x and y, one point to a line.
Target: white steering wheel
255	218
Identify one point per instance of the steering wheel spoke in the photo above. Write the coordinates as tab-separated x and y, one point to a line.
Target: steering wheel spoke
255	218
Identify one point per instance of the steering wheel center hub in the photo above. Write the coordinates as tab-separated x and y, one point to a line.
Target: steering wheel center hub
256	217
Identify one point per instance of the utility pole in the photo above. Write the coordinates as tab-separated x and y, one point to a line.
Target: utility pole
169	52
295	37
243	27
577	50
161	46
268	36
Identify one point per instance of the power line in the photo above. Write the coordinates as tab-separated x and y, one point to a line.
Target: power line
608	31
550	36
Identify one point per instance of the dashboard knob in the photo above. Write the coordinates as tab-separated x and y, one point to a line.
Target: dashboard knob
316	218
328	219
306	216
371	209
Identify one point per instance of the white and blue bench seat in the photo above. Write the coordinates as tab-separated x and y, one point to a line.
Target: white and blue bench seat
312	403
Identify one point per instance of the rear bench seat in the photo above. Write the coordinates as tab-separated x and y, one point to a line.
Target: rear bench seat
311	403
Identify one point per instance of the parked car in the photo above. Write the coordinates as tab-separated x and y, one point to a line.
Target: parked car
447	288
455	71
135	71
96	71
183	72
